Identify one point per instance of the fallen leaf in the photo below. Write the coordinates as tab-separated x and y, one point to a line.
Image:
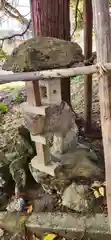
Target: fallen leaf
101	190
50	236
96	193
30	209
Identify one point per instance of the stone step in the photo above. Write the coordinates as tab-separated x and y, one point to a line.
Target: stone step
68	225
71	225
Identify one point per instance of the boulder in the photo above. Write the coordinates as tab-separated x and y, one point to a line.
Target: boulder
43	53
58	119
70	142
49	184
78	164
72	166
75	197
4	170
45	203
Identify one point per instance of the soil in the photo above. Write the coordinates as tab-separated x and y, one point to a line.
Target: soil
93	140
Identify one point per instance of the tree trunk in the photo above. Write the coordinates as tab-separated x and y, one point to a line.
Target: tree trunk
102	29
51	18
88	20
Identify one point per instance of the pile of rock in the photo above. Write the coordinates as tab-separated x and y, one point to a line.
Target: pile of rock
75	162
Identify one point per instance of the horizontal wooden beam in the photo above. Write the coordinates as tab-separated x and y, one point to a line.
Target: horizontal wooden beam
49	74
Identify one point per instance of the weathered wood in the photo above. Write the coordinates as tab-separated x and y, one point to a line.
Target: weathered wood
49	74
33	94
103	40
88	22
33	98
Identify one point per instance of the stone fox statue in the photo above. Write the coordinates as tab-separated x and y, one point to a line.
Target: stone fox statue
58	121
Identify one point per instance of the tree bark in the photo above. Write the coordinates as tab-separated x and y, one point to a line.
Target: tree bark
103	36
88	22
51	18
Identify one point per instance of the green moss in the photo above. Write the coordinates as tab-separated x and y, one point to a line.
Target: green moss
3	108
43	53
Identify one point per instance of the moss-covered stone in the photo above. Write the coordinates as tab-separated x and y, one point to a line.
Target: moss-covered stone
43	53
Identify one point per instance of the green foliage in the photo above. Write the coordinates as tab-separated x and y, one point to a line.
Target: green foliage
3	54
16	96
80	12
3	108
78	78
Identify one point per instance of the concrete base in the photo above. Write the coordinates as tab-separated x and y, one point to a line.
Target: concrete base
68	225
49	169
72	226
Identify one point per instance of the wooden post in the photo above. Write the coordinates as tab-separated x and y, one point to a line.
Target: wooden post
103	40
88	22
33	99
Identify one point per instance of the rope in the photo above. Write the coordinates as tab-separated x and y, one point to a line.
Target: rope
101	69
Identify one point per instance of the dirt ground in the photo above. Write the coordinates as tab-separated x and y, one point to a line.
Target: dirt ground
77	96
77	93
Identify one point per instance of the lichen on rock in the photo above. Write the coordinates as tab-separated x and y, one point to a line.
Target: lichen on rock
74	165
77	164
43	53
75	197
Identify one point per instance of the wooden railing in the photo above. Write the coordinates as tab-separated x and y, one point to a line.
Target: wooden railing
55	73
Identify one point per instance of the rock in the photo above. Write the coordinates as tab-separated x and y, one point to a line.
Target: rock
34	123
1	232
70	226
90	152
37	175
16	204
18	170
18	161
25	134
4	169
5	180
59	119
45	203
75	197
2	159
73	165
49	184
13	222
77	164
70	142
43	53
11	156
2	182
